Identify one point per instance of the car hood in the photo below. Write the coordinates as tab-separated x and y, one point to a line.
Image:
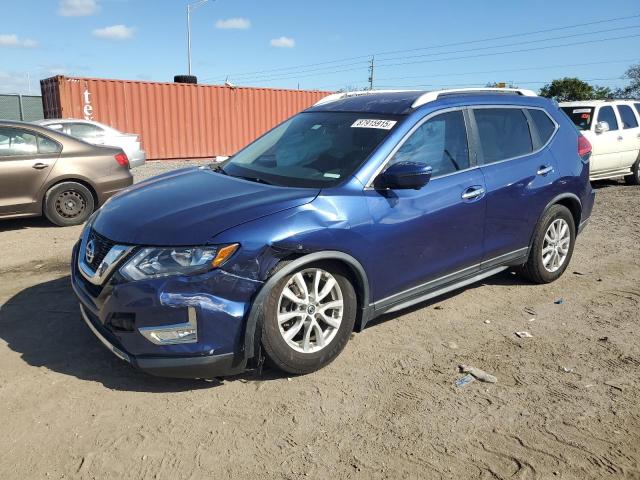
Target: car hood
191	206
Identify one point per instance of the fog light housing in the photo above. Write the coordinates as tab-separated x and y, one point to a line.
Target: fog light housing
173	334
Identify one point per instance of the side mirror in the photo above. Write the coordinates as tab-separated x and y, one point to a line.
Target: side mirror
404	175
602	127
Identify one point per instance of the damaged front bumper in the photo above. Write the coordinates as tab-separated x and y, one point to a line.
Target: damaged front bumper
188	327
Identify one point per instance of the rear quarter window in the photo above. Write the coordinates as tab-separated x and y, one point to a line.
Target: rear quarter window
627	116
582	117
543	124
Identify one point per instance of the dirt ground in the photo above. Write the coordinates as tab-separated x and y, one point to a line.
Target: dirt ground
566	405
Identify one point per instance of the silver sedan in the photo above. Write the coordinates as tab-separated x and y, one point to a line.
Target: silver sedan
97	133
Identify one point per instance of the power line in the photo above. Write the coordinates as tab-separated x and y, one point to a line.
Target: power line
517	82
624	37
527	42
520	69
323	70
501	37
545	47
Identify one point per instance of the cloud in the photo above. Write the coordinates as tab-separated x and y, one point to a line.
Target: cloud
283	42
12	40
114	32
14	82
77	8
234	24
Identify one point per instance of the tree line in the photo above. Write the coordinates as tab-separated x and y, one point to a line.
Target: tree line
571	88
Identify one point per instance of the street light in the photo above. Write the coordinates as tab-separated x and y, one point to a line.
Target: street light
190	8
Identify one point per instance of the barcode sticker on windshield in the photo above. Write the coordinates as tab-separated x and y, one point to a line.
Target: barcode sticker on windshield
373	123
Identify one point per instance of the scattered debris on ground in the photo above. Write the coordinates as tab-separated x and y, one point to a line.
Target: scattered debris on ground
523	334
478	374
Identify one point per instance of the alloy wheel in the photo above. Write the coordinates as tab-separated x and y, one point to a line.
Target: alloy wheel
310	310
555	247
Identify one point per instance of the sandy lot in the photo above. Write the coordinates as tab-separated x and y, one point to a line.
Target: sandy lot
566	405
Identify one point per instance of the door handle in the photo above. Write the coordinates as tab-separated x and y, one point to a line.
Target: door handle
545	169
40	166
620	138
472	192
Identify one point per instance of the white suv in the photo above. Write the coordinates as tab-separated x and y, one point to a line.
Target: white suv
613	128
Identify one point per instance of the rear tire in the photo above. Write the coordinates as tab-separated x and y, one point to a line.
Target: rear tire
634	178
552	247
68	203
301	331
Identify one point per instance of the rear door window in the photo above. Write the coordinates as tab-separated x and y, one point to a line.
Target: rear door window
440	142
504	133
85	130
606	114
580	116
544	125
627	116
47	146
637	105
15	142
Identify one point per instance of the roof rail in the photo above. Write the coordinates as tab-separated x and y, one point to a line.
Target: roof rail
432	96
357	93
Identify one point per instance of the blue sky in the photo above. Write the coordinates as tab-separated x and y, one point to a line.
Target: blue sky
326	45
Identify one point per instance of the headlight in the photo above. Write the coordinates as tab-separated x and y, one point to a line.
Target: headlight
152	262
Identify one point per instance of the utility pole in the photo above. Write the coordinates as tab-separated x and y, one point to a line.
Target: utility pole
190	8
371	67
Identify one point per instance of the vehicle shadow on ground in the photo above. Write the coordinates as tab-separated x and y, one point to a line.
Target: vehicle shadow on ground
598	184
505	278
42	323
25	223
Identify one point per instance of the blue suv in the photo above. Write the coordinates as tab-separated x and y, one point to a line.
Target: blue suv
363	204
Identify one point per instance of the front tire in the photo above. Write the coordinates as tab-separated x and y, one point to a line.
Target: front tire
308	318
68	203
634	178
552	246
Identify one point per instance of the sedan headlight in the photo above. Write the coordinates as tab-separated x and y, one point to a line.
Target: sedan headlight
153	262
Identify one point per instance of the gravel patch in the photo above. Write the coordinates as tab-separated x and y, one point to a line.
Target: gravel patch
156	167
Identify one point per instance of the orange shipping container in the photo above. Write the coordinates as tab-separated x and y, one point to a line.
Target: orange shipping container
176	120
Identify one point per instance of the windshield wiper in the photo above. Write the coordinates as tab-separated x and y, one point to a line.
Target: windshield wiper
216	167
254	179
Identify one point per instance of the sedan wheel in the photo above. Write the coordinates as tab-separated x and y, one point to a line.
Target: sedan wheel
68	203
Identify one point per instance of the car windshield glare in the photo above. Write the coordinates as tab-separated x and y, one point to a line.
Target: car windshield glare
312	149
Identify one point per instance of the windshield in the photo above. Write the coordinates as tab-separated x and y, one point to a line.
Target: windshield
312	149
580	116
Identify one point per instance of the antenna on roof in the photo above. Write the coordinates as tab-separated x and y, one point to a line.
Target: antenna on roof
371	67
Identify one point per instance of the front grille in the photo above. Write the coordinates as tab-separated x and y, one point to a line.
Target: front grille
102	245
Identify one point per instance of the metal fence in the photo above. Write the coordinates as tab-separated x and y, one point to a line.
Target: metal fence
27	108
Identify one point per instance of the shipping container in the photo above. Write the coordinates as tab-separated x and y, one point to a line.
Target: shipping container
176	120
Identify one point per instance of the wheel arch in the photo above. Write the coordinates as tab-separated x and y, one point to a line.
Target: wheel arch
58	181
569	200
353	267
